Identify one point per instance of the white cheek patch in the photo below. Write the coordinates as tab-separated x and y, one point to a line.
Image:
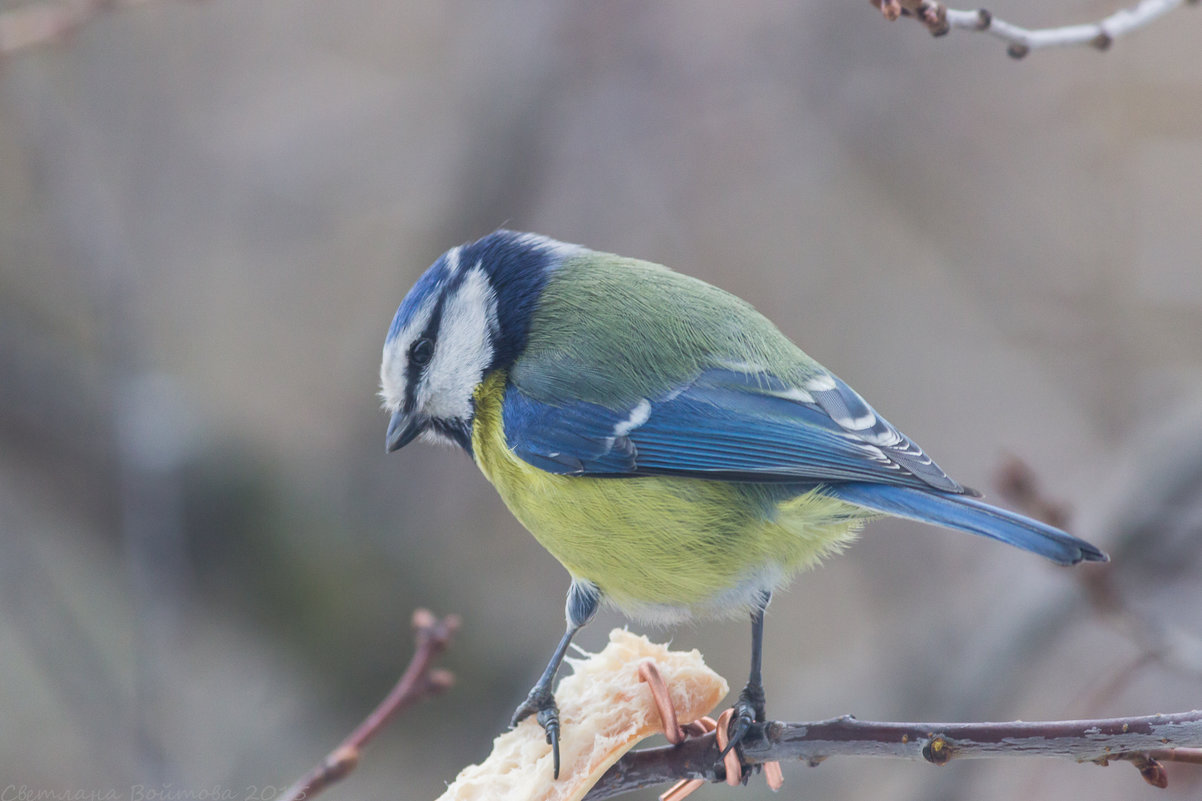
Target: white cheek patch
463	350
433	436
396	357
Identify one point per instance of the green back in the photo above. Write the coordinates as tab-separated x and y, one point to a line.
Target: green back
611	330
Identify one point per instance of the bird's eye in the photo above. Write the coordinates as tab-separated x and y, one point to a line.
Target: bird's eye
421	351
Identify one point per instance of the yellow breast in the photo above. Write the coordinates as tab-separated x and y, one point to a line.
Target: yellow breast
659	547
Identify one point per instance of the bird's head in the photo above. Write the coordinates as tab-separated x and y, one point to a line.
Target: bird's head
466	316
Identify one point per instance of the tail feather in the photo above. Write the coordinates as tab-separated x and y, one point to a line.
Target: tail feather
969	514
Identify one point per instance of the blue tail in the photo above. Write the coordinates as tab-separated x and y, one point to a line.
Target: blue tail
969	514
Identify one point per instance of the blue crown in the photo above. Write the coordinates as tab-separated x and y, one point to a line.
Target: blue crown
517	266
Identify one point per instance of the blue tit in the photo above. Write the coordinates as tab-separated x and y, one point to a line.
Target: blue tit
662	439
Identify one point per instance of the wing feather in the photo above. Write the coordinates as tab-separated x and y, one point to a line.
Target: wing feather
724	425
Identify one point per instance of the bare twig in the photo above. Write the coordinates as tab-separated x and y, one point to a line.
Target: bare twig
1144	741
1159	637
1018	484
433	635
939	20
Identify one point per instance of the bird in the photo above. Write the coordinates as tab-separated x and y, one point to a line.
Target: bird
663	440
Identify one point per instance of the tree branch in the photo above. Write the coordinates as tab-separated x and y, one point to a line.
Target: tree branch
939	20
1159	637
1144	741
433	635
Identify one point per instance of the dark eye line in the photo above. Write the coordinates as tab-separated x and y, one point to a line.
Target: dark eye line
421	351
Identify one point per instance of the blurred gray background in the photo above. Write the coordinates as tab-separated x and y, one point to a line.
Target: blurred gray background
209	211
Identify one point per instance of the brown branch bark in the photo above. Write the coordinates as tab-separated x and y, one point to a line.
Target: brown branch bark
433	635
1161	639
1145	741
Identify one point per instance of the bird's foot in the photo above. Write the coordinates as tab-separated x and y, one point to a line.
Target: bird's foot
748	710
541	701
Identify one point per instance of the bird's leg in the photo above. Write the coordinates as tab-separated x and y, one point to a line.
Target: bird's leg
749	708
583	600
542	701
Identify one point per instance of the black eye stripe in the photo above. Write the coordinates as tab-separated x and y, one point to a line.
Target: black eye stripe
413	370
421	351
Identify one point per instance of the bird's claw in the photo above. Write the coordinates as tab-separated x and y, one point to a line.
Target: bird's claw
530	706
548	718
740	723
542	702
748	710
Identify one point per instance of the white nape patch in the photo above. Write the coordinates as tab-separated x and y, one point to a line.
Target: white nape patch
452	260
396	357
546	243
462	351
820	383
638	415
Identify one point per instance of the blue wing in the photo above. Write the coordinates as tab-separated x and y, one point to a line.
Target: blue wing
724	425
734	426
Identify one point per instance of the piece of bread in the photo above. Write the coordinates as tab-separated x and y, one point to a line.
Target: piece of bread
604	710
